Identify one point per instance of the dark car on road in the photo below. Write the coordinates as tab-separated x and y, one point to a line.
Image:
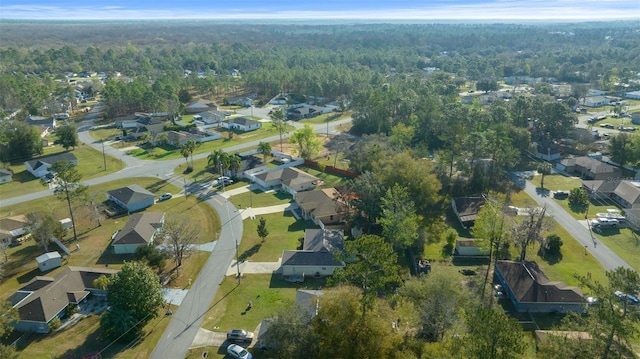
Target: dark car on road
560	194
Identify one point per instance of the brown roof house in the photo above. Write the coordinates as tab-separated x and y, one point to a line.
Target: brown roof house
290	179
467	209
44	298
12	227
317	257
531	291
320	206
627	194
131	198
140	230
588	168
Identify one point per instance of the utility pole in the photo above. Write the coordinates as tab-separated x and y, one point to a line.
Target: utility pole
237	263
104	157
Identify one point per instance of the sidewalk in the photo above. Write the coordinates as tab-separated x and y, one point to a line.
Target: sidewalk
248	267
253	212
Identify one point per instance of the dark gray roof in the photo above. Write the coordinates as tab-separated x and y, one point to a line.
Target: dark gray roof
287	176
131	194
44	297
50	160
5	172
529	284
320	203
140	228
469	207
629	191
309	258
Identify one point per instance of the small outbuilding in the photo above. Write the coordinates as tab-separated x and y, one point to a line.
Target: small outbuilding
49	261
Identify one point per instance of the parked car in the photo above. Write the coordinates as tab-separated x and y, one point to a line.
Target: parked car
239	336
631	299
560	194
165	196
238	352
605	223
224	180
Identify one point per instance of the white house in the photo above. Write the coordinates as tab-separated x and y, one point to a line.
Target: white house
49	261
240	101
635	95
241	124
6	176
40	167
595	101
200	105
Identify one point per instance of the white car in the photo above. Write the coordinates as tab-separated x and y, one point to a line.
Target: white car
238	352
165	196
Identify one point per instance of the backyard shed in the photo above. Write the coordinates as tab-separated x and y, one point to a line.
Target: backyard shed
49	261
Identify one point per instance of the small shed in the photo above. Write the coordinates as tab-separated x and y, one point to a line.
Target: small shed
49	261
66	223
470	247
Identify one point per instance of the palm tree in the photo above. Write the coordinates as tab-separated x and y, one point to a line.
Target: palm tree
161	138
191	146
185	153
219	159
234	163
544	169
265	149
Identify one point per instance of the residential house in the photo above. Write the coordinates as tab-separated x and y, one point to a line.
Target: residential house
320	206
289	179
12	227
140	230
148	124
40	167
302	112
200	105
633	217
210	117
49	261
627	194
131	198
308	300
280	99
600	189
588	168
42	122
531	291
178	139
635	118
44	298
242	124
6	176
249	162
595	101
240	101
470	247
467	209
634	95
317	257
549	152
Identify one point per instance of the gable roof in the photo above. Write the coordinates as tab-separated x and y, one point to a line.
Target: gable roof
308	299
288	176
5	173
12	226
309	258
629	191
202	103
139	229
468	207
50	160
529	284
130	194
601	186
212	115
43	298
319	248
320	203
45	257
591	164
243	121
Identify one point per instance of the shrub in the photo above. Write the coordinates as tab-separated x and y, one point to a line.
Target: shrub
55	323
553	244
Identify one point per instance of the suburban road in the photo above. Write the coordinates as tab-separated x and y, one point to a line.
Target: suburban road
578	230
185	322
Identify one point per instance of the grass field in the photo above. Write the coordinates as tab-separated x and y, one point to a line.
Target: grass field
557	182
257	198
90	165
284	232
327	117
624	242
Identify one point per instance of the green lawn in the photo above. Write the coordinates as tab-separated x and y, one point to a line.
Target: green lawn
90	165
624	242
327	117
257	198
329	179
625	121
169	152
599	206
284	232
557	182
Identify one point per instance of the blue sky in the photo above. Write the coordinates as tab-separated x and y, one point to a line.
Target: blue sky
322	9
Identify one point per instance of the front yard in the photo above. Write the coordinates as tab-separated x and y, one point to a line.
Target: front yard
90	165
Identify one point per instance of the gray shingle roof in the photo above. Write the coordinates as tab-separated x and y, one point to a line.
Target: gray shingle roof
50	160
140	228
131	194
529	284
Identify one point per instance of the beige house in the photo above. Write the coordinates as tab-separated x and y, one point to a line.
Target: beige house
290	179
320	206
